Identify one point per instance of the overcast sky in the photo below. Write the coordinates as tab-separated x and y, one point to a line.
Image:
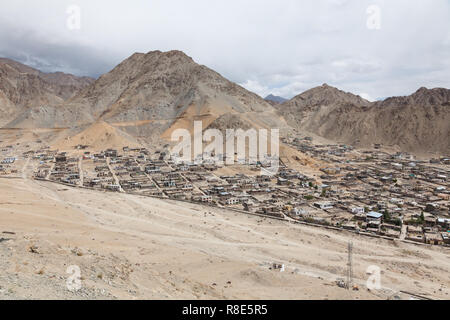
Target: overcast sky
372	48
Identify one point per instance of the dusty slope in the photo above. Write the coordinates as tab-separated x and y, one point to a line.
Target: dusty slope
132	247
166	88
98	136
22	88
150	95
418	123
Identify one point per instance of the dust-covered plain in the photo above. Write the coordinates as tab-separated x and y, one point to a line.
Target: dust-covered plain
133	247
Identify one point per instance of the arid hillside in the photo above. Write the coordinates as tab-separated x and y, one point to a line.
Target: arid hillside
417	123
23	88
148	96
132	247
152	94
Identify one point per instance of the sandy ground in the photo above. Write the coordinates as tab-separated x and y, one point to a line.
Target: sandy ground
131	247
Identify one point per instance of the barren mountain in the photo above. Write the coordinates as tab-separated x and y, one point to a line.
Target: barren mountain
23	88
152	94
273	100
417	123
148	96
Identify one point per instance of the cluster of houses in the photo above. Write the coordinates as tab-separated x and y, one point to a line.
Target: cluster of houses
65	169
394	195
6	165
96	171
371	191
9	160
46	158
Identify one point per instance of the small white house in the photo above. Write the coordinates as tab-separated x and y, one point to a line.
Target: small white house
396	201
300	212
374	216
358	210
206	199
323	205
113	187
232	201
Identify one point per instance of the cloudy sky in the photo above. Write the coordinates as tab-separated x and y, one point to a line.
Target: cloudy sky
373	48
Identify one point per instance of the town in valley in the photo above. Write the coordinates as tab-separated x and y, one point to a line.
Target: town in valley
367	191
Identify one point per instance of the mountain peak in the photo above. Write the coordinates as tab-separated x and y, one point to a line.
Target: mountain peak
166	86
167	54
422	97
326	95
275	99
23	87
156	55
436	96
434	91
422	89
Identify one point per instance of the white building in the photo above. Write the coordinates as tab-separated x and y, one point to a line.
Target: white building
323	205
358	210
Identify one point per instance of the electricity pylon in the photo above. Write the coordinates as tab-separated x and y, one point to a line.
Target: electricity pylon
350	266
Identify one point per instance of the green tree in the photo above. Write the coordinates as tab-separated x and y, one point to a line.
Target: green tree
386	216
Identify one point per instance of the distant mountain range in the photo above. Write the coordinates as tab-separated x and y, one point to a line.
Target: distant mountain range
150	95
23	88
417	123
275	99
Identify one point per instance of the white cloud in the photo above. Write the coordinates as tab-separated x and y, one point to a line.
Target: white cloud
280	47
257	88
367	97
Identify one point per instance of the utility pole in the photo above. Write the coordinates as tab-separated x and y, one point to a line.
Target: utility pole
350	266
